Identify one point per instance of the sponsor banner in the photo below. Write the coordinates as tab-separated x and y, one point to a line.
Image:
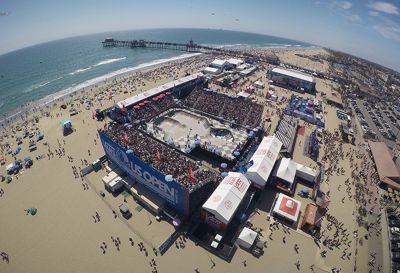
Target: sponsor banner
172	192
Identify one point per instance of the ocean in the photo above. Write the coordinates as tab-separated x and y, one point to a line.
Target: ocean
46	71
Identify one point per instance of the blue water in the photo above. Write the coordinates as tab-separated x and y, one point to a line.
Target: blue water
35	72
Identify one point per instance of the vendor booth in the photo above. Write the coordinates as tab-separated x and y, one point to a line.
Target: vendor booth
221	206
286	208
247	238
66	126
263	161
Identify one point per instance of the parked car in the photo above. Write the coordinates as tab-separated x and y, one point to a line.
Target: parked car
395	230
125	211
394	223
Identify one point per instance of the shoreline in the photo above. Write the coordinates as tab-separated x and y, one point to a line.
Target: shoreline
81	88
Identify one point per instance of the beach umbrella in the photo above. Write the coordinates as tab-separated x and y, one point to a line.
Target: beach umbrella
224	165
390	190
168	93
33	211
161	95
218	151
146	101
155	98
224	174
192	146
129	151
142	104
169	178
136	107
236	153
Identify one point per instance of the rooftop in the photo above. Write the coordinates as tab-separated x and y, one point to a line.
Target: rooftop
293	74
384	161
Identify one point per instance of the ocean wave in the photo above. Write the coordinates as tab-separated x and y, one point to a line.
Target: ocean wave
39	85
79	70
94	81
108	61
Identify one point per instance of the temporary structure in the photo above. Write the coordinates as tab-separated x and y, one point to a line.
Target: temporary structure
247	238
226	198
264	160
287	208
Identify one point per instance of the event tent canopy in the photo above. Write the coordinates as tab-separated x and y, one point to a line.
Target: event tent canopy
286	170
264	160
287	207
227	197
247	238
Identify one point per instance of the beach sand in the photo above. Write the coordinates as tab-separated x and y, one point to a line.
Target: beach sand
64	237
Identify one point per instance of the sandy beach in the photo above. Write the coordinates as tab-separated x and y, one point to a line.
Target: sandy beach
67	236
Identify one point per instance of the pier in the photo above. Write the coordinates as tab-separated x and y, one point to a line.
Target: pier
188	47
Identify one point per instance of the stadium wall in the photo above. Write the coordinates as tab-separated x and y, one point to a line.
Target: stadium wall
174	193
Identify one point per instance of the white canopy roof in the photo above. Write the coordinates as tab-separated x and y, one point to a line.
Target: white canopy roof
259	83
157	90
286	170
227	197
293	74
235	62
211	70
243	94
306	173
246	238
242	66
287	207
218	63
264	160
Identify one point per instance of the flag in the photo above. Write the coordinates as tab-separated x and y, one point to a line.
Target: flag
191	177
158	157
126	139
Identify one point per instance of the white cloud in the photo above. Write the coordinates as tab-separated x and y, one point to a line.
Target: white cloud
342	4
384	7
389	31
354	18
373	13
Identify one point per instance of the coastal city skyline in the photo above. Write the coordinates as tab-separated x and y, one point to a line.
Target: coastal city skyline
368	29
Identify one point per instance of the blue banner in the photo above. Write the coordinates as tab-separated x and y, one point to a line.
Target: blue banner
172	192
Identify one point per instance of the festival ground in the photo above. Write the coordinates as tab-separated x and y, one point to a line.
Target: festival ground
65	236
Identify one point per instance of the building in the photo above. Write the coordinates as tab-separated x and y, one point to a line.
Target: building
234	62
286	172
221	206
286	209
221	65
292	79
389	174
263	161
211	70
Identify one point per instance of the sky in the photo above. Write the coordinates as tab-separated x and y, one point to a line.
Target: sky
366	28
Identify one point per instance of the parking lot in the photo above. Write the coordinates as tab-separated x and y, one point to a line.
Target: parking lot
394	226
378	120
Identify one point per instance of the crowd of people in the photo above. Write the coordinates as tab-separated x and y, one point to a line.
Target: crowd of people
242	111
160	156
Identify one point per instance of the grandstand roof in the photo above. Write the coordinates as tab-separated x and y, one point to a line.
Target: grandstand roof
293	74
157	90
384	161
227	197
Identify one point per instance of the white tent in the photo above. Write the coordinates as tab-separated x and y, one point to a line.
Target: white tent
264	160
244	94
287	207
235	62
286	170
306	173
211	70
227	197
218	63
258	84
247	238
242	67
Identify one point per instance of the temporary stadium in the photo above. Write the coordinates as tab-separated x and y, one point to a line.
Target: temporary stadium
177	138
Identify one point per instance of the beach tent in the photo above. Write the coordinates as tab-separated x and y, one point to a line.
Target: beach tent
306	173
286	207
259	84
264	160
286	170
226	198
246	238
66	127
